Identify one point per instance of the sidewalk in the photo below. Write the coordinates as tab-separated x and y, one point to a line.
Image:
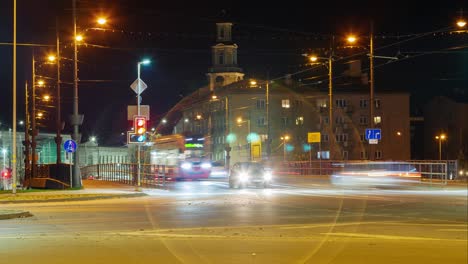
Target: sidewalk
92	190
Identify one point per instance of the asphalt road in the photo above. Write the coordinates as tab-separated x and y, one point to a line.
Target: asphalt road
298	220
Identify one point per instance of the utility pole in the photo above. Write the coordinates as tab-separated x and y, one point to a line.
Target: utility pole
372	101
330	99
58	138
27	167
76	119
268	117
227	147
13	174
33	120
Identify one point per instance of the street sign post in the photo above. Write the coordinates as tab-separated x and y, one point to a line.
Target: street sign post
138	86
315	137
70	148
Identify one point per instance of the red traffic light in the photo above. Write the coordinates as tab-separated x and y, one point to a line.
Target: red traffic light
6	173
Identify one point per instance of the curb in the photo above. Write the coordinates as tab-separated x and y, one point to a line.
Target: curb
15	215
132	195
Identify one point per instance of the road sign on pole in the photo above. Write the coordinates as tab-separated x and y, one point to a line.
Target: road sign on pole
373	133
70	146
373	141
313	137
138	86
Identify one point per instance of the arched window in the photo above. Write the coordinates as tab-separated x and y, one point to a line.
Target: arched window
219	80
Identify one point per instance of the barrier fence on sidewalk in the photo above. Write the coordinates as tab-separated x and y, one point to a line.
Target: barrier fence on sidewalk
126	173
430	169
157	175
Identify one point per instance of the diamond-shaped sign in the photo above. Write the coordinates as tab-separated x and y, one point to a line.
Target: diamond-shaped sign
138	83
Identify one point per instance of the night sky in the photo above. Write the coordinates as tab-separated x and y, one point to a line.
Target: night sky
178	37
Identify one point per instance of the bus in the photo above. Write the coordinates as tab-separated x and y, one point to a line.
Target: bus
183	157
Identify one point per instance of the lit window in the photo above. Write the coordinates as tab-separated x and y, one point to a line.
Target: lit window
377	119
300	121
285	103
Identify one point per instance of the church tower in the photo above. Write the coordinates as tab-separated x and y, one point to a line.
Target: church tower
224	68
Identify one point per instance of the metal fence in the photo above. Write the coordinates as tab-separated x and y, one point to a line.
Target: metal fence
430	169
126	173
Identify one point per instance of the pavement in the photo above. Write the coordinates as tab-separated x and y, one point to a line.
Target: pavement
92	190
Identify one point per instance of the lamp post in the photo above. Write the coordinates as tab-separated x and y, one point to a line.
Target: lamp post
144	62
440	138
239	123
226	135
284	138
4	151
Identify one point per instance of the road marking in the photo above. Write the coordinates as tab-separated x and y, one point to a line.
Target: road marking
362	235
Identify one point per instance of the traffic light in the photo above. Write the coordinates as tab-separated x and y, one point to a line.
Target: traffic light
140	125
6	173
139	136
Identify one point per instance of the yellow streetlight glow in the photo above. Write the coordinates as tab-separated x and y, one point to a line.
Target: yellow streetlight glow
51	58
79	37
461	23
40	83
285	137
239	120
253	82
398	133
313	58
351	39
46	97
40	114
102	21
198	117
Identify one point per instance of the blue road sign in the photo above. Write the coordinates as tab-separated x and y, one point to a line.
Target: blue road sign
373	133
69	146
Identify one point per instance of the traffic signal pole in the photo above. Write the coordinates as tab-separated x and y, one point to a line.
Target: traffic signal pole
138	188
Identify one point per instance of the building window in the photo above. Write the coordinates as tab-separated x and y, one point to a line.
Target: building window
285	103
326	120
261	121
363	103
345	154
221	58
299	121
363	155
341	137
378	154
260	103
284	121
340	102
221	33
363	138
339	120
325	137
363	120
297	103
377	103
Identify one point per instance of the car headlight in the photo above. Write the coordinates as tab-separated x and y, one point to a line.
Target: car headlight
243	177
206	165
186	166
267	176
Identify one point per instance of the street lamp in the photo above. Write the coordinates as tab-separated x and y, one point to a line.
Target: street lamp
267	110
461	23
239	123
440	138
284	138
144	62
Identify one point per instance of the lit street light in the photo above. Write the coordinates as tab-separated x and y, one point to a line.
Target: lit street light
101	21
284	138
440	138
461	23
144	62
46	97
